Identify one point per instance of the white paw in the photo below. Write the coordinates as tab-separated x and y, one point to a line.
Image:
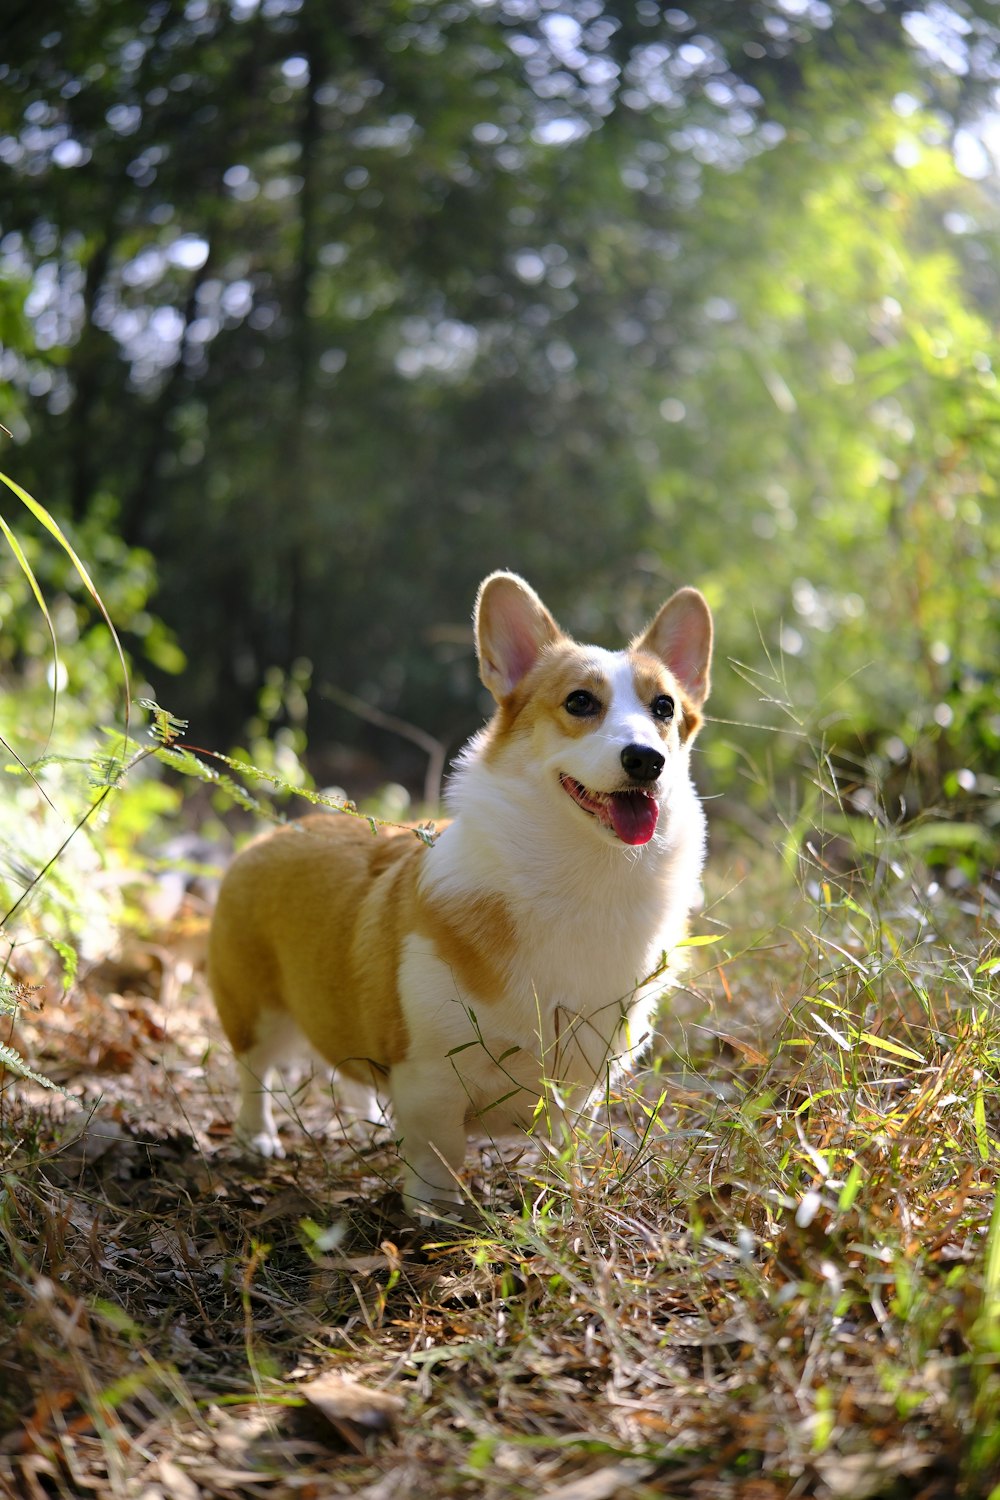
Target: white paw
426	1201
261	1142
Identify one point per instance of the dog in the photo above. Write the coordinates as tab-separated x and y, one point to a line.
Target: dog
516	958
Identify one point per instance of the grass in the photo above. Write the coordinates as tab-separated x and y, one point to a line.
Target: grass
771	1269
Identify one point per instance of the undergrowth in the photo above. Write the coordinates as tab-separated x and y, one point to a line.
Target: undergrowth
770	1267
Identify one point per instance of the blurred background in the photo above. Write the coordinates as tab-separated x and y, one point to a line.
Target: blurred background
315	311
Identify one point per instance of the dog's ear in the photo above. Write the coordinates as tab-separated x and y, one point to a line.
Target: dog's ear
512	626
681	636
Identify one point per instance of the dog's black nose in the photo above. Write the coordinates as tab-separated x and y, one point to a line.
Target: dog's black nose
642	762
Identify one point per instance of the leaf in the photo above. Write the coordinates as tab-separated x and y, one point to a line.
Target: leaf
886	1046
346	1405
186	763
446	1352
840	1040
926	838
751	1054
177	1483
10	1058
849	1191
86	1138
166	727
70	959
603	1484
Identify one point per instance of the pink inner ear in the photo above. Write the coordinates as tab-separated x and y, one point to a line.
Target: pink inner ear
514	642
512	627
686	659
518	653
681	636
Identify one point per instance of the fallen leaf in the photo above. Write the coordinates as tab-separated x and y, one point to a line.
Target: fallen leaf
353	1410
178	1484
602	1484
752	1054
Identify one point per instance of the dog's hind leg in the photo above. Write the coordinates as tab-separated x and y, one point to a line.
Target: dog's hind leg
258	1067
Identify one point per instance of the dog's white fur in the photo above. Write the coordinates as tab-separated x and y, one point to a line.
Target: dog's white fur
515	955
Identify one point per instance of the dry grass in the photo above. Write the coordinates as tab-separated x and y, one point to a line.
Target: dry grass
768	1272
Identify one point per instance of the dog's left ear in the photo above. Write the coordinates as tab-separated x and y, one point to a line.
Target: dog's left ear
512	626
681	636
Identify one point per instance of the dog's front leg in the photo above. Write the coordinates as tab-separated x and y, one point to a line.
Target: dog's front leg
430	1120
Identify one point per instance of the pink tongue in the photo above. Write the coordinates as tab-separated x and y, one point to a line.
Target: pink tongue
633	816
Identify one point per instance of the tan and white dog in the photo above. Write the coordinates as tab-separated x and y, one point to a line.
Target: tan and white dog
511	960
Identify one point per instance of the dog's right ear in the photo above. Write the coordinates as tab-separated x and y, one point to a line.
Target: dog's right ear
512	626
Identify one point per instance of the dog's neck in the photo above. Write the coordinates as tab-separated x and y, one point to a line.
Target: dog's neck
592	917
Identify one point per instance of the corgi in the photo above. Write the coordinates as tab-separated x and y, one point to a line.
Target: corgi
519	956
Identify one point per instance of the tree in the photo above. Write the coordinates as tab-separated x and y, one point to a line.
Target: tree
342	305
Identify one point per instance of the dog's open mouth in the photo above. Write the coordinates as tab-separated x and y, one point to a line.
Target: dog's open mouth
631	814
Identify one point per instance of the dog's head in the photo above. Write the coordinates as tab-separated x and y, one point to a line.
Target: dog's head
609	731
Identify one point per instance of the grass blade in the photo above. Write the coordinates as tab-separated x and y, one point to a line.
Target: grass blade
895	1048
42	515
28	572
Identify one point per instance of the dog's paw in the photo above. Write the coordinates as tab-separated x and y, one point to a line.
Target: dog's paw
442	1208
263	1143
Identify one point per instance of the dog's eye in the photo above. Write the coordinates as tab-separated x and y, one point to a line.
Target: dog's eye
581	704
662	708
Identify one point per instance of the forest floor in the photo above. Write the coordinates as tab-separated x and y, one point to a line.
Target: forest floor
768	1271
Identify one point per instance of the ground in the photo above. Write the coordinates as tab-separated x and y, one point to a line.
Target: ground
768	1272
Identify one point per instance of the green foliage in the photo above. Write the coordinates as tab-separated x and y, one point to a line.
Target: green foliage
63	838
868	454
10	1058
620	298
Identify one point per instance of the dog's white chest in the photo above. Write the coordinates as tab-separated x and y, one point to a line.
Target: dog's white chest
573	1007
